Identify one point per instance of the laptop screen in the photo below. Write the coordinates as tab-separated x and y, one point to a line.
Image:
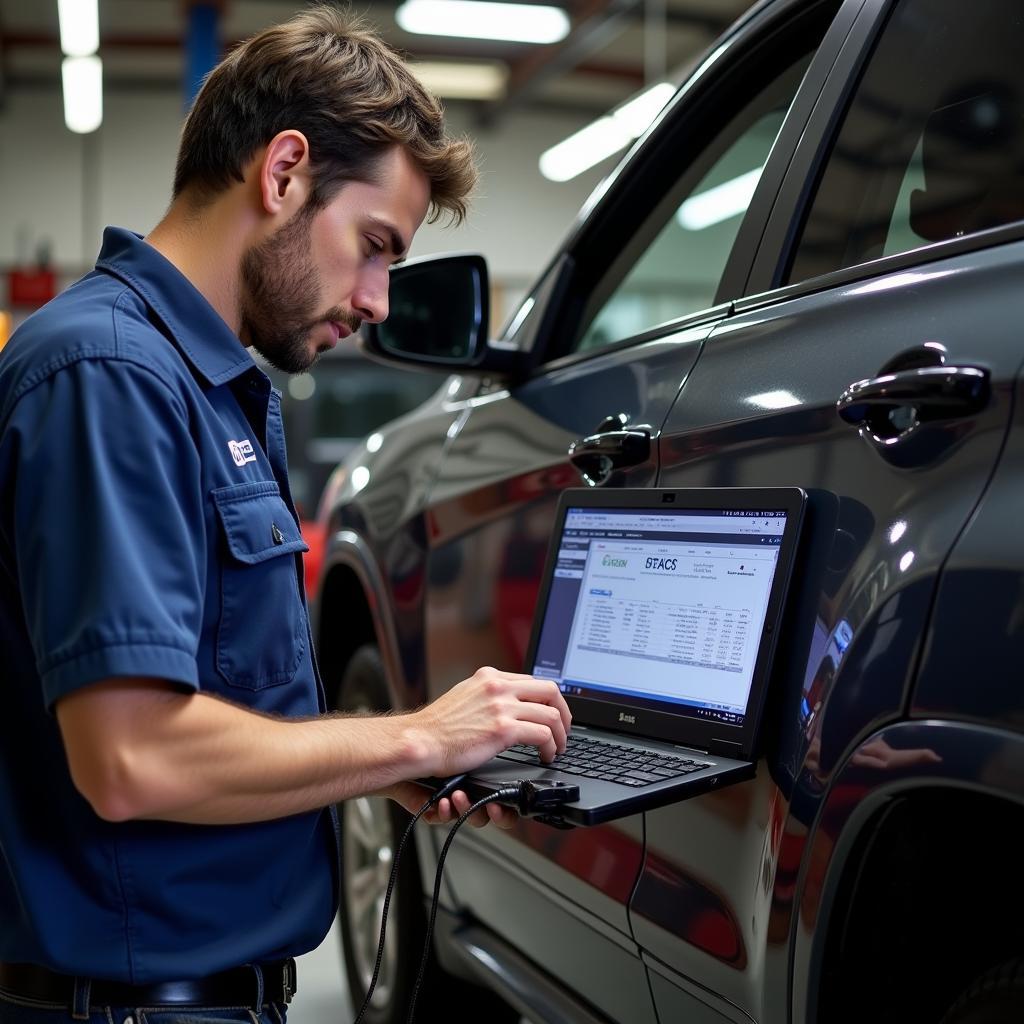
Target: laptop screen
660	609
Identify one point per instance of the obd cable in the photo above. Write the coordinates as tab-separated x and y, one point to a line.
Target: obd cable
506	793
529	795
443	791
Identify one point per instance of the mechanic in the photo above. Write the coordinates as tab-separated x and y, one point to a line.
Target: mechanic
165	755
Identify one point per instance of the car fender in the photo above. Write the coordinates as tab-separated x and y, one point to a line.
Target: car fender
934	754
347	550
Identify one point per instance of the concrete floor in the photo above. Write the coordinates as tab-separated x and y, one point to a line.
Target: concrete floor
323	994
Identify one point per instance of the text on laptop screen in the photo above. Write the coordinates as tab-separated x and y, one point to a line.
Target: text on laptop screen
660	609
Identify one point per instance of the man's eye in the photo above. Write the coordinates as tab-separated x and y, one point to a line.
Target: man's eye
374	248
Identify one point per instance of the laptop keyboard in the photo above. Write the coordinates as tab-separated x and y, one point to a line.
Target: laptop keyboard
611	762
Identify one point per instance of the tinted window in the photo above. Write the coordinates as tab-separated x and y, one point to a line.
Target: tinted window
674	264
932	146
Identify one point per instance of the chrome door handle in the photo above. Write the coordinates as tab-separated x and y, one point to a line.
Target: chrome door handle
599	455
931	393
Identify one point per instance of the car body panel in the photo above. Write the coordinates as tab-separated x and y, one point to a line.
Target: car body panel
759	409
960	757
976	642
489	526
371	514
589	956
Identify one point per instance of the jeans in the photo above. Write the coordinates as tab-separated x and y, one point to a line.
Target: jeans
14	1010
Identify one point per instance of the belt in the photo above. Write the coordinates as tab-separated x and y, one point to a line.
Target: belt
239	986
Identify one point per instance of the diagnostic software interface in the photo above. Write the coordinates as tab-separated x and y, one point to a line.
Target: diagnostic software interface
660	609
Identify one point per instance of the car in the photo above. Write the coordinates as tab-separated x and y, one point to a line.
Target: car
326	413
809	272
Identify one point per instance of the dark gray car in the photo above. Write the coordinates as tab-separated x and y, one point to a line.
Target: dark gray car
810	272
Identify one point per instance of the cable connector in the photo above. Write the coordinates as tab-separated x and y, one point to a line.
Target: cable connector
537	796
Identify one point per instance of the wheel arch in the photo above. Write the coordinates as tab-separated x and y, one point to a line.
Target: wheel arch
353	609
917	889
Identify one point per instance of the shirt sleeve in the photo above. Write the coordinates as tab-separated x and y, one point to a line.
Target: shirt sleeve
109	536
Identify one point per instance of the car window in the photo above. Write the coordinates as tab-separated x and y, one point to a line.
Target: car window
932	145
673	265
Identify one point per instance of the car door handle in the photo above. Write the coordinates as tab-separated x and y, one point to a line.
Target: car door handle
599	455
934	393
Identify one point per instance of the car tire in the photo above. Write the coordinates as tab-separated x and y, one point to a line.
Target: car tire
371	828
997	997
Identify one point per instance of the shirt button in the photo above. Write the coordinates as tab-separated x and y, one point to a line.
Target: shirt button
277	534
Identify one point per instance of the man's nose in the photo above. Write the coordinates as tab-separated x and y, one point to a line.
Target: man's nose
371	304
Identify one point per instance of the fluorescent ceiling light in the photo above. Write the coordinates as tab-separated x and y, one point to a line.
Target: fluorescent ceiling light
605	136
719	203
83	93
462	80
79	27
481	19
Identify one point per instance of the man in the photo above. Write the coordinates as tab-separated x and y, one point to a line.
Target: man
164	756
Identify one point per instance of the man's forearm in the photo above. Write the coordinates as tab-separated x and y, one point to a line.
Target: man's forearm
139	748
157	753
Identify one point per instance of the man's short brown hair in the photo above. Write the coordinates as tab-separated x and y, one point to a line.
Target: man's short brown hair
353	97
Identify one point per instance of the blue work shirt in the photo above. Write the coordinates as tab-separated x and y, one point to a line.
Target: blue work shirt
146	529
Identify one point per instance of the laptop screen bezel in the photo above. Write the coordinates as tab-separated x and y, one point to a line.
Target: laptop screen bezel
625	718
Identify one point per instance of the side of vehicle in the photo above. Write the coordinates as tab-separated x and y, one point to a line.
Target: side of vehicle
866	873
326	413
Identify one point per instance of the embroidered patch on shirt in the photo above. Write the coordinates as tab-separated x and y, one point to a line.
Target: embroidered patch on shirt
242	451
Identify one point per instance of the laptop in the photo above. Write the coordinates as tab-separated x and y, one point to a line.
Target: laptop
657	616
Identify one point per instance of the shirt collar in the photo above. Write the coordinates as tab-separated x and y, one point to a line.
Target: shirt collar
197	328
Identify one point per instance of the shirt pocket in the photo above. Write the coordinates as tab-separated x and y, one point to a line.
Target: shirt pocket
261	636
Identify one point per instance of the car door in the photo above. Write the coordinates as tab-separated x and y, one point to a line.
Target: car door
616	325
867	367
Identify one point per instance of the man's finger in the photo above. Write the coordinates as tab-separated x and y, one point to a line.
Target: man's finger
502	817
538	736
547	718
541	691
544	691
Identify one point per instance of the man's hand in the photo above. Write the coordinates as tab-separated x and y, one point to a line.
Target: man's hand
413	796
487	713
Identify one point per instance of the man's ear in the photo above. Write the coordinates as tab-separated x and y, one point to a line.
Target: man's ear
284	173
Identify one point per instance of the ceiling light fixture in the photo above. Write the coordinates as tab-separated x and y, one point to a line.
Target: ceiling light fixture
462	80
83	93
481	19
79	27
605	136
82	70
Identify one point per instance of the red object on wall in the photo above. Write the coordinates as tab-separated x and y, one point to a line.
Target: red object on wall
31	287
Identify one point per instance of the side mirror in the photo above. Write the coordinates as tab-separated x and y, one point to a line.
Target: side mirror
439	309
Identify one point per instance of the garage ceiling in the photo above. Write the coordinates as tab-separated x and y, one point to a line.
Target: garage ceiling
615	47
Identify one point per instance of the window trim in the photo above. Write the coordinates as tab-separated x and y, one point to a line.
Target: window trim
710	315
765	283
607	220
739	267
908	260
796	196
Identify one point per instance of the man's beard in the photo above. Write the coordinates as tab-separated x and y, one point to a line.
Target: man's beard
280	292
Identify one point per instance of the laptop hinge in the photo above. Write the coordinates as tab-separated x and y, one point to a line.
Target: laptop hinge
725	747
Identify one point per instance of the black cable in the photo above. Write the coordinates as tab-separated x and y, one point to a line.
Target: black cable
501	794
444	790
